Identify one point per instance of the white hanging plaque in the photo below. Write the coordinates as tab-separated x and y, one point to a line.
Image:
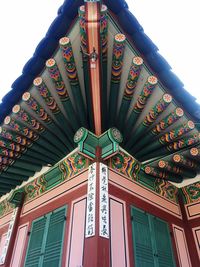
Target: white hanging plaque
103	202
91	202
8	237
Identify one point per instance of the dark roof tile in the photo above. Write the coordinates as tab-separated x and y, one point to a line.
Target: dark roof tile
58	27
46	47
116	6
128	22
143	43
157	62
34	66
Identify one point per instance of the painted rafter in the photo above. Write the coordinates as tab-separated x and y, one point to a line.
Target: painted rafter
133	75
11	124
61	90
173	168
168	137
40	112
116	71
185	142
24	142
53	106
160	127
185	161
34	124
150	118
70	67
142	99
195	153
151	171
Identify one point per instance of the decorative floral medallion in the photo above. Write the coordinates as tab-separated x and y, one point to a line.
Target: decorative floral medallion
16	109
79	135
116	135
167	98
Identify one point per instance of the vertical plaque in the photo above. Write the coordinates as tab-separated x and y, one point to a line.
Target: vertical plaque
8	237
91	202
103	202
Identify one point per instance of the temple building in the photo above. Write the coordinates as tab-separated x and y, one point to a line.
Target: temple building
99	149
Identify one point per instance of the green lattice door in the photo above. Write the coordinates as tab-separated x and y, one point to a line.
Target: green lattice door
151	240
46	240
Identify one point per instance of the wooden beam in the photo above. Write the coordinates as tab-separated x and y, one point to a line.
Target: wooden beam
92	19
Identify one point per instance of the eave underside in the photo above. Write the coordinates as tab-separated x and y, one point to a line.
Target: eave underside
157	131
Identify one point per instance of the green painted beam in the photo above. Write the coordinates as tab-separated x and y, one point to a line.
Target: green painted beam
116	71
8	181
21	114
185	162
39	111
173	168
16	170
11	176
11	123
151	171
61	90
168	138
24	142
142	99
70	67
185	142
23	150
150	118
53	106
159	128
20	164
133	75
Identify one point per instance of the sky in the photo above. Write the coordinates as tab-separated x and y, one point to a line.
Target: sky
172	25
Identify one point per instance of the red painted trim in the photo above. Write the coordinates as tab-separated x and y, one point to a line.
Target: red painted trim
15	245
3	229
174	245
189	236
66	234
188	211
177	229
13	237
67	259
125	230
137	202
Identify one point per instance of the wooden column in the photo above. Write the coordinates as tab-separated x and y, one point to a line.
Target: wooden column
96	247
93	45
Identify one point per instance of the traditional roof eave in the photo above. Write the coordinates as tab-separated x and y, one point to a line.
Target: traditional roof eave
50	111
66	14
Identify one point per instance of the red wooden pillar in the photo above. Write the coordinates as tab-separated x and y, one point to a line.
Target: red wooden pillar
96	248
92	17
13	234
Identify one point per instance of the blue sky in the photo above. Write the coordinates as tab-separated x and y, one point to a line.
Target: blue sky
172	25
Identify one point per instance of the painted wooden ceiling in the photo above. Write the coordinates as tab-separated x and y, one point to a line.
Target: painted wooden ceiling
156	129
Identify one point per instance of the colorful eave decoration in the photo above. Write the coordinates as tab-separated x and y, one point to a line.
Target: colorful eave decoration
101	87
